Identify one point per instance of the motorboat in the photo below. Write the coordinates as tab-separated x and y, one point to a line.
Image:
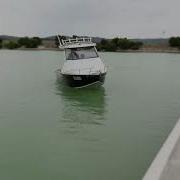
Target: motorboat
83	66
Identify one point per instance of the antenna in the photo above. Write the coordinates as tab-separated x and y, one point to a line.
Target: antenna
164	33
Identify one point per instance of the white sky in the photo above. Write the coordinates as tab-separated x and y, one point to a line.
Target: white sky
105	18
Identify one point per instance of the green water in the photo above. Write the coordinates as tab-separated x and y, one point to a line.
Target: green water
49	131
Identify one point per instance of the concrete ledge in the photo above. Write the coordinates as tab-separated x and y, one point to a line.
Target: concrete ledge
160	162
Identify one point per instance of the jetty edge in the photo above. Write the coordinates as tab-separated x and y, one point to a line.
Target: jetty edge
166	165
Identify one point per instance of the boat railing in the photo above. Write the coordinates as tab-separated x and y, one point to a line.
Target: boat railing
74	41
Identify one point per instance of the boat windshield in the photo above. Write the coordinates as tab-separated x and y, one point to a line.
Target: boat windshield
81	53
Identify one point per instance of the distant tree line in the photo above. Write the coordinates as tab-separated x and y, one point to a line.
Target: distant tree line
118	44
114	44
0	43
29	42
11	45
21	42
174	42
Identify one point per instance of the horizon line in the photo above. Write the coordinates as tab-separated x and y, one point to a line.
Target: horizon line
43	36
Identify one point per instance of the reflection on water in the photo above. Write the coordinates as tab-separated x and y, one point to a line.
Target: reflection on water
82	106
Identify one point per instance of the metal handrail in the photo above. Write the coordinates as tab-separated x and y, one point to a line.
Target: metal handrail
71	41
77	40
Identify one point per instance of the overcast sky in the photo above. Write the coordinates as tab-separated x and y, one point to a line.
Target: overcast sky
105	18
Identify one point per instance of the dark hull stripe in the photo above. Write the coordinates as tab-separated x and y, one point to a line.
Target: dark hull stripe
84	80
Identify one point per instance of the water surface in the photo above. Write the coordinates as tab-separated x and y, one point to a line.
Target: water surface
50	131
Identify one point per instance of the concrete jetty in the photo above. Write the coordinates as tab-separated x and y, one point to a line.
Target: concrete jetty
166	165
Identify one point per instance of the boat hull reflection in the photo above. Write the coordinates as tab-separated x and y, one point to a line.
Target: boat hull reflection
87	102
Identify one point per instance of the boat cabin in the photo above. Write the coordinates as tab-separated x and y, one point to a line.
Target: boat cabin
81	53
79	48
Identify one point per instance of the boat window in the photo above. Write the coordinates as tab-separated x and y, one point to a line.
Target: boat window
81	53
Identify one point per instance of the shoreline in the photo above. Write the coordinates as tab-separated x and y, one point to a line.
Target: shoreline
143	50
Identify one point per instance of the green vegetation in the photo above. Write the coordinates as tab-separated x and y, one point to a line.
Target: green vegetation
174	42
11	45
30	42
1	43
118	44
22	42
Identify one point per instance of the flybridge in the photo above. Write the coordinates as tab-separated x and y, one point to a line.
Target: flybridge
82	41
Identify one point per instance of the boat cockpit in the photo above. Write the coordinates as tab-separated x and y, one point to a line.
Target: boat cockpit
81	53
